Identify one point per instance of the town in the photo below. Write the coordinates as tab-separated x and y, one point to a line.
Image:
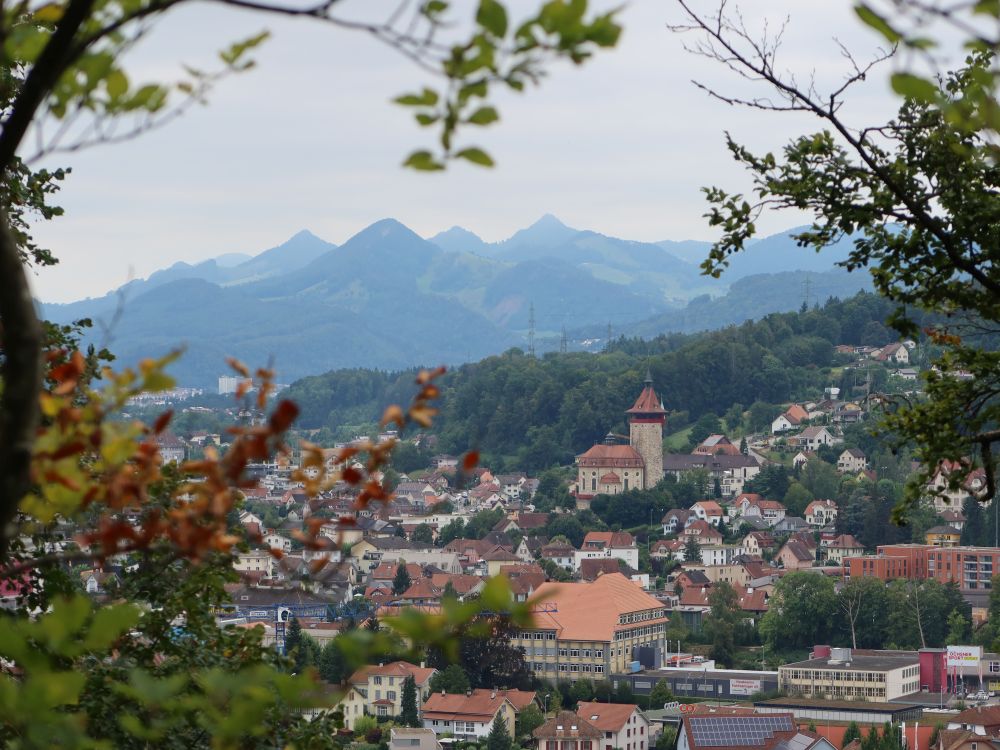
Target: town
752	608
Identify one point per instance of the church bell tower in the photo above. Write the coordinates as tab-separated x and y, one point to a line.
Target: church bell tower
646	419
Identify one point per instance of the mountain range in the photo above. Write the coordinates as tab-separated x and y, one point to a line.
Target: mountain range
389	299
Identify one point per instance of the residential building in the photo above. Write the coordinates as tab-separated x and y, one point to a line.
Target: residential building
794	555
567	731
722	728
943	536
895	353
667	549
852	461
467	716
255	561
413	738
732	472
715	444
820	513
703	533
608	544
676	520
812	438
840	547
983	721
846	674
591	630
623	724
562	554
757	542
719	554
379	689
972	568
751	506
792	417
708	510
946	497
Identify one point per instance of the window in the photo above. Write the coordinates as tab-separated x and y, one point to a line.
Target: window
383	710
391	695
377	680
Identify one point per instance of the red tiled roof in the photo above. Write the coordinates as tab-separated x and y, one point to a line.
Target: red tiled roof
608	717
647	403
598	455
481	705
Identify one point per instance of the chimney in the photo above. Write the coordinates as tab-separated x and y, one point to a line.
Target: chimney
422	665
493	695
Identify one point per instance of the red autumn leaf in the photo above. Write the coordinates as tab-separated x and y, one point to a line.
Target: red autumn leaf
470	461
351	475
393	414
69	449
284	415
238	366
162	421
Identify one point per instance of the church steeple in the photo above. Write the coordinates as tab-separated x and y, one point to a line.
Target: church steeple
646	419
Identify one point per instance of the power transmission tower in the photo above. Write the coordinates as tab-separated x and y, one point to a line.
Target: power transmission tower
563	343
806	288
531	329
609	337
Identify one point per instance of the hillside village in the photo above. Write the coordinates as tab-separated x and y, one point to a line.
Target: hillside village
653	573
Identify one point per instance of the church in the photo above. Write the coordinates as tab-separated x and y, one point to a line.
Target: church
610	468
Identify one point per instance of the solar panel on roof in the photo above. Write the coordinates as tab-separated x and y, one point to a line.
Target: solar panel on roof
737	731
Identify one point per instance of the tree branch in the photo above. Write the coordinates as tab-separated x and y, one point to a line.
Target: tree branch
21	342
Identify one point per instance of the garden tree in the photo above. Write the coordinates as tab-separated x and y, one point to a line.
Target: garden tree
401	581
821	479
734	417
667	739
918	612
921	517
660	694
852	733
554	571
528	720
707	424
602	691
692	550
871	741
891	737
423	533
332	663
451	679
743	446
797	499
567	525
799	612
722	621
582	690
482	523
408	714
918	196
365	724
62	67
499	737
452	530
293	641
936	734
958	629
449	591
862	604
761	415
624	694
634	507
974	528
771	481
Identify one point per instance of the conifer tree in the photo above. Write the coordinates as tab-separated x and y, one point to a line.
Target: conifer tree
293	638
408	715
332	666
402	580
499	737
852	733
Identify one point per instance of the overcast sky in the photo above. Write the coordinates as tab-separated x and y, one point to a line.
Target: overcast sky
309	139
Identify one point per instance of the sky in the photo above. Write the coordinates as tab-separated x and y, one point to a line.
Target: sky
309	139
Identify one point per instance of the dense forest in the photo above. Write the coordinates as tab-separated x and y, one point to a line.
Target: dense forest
532	413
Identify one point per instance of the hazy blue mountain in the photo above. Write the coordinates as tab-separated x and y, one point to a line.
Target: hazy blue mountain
459	240
753	297
389	299
230	260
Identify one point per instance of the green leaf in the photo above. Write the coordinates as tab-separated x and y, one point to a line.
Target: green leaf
116	84
108	625
427	98
877	22
492	16
476	156
483	116
423	161
914	87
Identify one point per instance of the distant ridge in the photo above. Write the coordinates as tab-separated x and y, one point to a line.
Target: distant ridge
387	298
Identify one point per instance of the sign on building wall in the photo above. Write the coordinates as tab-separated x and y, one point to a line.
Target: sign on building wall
964	656
744	687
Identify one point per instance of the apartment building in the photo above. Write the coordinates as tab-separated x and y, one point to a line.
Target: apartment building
972	568
377	690
591	630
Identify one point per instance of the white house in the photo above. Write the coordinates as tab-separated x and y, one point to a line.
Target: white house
467	716
608	544
625	727
820	513
708	510
852	461
719	554
812	438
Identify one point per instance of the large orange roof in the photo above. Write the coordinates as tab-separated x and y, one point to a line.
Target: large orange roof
610	717
590	611
611	452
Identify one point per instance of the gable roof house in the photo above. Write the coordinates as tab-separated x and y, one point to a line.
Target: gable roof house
703	533
567	731
792	417
811	438
852	461
750	731
820	513
795	555
467	716
676	520
625	727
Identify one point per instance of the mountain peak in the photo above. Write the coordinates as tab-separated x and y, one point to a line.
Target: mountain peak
459	239
548	231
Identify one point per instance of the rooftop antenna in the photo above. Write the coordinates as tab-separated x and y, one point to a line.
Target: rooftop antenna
531	329
563	343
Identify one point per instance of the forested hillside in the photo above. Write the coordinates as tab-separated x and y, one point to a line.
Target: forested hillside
534	413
